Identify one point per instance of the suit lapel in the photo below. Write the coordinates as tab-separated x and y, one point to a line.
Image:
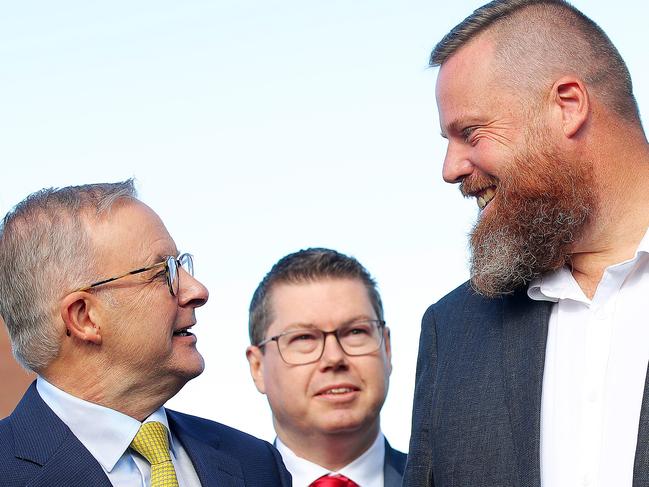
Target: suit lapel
72	465
525	328
40	437
213	467
394	464
641	464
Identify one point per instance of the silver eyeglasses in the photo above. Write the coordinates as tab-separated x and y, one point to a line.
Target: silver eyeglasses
306	345
171	265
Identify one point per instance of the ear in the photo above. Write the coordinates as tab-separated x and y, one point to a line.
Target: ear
256	363
572	103
77	312
388	349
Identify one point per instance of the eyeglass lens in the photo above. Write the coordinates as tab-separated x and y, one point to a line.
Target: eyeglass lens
186	262
304	346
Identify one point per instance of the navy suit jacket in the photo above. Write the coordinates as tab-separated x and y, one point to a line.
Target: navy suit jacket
477	408
38	450
393	466
394	463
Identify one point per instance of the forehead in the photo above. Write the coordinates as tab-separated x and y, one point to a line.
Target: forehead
130	233
325	302
467	83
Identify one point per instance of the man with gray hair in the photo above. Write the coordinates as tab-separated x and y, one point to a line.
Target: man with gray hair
535	372
100	304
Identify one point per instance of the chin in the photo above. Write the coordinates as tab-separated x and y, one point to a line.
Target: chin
342	425
190	368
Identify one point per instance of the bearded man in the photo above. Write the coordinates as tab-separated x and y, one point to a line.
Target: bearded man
535	372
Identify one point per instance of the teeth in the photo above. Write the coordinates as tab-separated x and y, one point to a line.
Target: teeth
485	197
339	390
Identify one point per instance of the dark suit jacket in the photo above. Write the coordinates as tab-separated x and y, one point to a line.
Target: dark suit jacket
393	466
477	409
394	463
38	450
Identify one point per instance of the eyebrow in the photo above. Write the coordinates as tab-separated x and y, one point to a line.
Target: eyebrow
460	123
454	127
162	256
310	326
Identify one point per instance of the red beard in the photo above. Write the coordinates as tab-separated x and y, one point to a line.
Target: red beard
541	207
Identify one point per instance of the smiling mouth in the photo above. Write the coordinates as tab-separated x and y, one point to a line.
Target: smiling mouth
485	196
337	390
183	332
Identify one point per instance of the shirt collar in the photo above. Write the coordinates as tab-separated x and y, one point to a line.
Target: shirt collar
106	433
362	470
643	248
554	286
560	284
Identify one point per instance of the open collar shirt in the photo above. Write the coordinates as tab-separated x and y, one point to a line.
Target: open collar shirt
107	434
366	470
594	377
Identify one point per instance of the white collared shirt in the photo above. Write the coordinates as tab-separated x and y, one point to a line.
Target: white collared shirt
366	470
595	367
107	434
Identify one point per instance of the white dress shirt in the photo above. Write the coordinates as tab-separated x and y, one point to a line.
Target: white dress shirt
595	367
366	470
107	434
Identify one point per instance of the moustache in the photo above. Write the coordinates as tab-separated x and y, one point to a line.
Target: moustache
473	184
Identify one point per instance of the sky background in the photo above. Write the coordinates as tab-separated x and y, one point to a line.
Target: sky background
256	128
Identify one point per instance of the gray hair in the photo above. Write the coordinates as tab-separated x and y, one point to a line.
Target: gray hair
45	252
538	40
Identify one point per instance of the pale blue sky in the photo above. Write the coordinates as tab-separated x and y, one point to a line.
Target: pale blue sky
255	128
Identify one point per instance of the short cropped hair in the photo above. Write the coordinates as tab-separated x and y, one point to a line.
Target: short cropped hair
309	265
45	252
537	40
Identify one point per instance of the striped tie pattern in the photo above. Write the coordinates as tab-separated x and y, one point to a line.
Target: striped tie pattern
152	443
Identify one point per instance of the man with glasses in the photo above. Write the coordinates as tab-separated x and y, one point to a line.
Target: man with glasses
100	304
321	353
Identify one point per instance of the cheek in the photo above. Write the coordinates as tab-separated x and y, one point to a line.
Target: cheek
286	385
380	379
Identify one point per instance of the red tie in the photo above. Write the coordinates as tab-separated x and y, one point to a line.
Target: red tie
334	481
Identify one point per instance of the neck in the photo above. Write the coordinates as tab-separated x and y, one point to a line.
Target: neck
108	388
621	220
331	451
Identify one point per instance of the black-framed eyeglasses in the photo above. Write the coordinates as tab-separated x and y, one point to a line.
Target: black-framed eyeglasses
306	345
171	265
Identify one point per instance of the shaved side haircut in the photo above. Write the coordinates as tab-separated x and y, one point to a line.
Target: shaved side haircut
537	41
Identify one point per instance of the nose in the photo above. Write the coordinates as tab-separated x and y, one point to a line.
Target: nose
332	354
191	292
457	164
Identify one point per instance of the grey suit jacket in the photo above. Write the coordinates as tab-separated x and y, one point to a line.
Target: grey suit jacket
477	408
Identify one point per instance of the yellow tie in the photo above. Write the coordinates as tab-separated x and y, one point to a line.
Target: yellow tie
152	443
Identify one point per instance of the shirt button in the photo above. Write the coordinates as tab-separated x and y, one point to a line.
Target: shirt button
593	396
